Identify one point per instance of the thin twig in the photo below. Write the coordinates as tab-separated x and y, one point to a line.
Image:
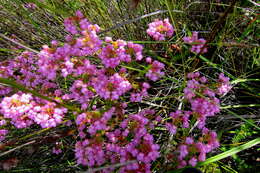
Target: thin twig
19	44
138	18
160	12
16	148
153	104
256	4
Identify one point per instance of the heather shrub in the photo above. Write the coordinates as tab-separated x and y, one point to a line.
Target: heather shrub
92	81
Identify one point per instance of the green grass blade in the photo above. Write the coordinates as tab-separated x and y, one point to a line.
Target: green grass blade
230	152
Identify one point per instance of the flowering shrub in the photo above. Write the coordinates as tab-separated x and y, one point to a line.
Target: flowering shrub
103	89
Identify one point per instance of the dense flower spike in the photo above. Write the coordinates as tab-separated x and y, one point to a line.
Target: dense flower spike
115	146
159	29
203	103
202	98
190	152
198	45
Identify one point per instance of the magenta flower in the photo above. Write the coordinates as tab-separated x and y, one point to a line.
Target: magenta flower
224	85
159	29
154	73
134	50
17	108
198	45
48	115
113	53
111	87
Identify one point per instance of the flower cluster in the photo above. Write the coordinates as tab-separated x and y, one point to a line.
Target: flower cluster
198	45
24	111
112	87
131	141
190	152
203	103
154	73
179	119
17	108
119	51
203	99
223	85
138	96
159	29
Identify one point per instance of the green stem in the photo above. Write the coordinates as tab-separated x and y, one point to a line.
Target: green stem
172	18
249	122
239	106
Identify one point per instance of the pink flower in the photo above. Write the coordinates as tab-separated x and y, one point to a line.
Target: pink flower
159	29
183	149
193	161
56	150
113	53
154	73
197	44
223	85
171	128
111	87
17	108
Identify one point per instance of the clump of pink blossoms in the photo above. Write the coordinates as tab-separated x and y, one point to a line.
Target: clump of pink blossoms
17	108
191	152
201	95
198	45
111	87
224	85
155	73
160	29
24	111
131	141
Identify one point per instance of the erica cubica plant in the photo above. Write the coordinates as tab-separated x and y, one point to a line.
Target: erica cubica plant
101	86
